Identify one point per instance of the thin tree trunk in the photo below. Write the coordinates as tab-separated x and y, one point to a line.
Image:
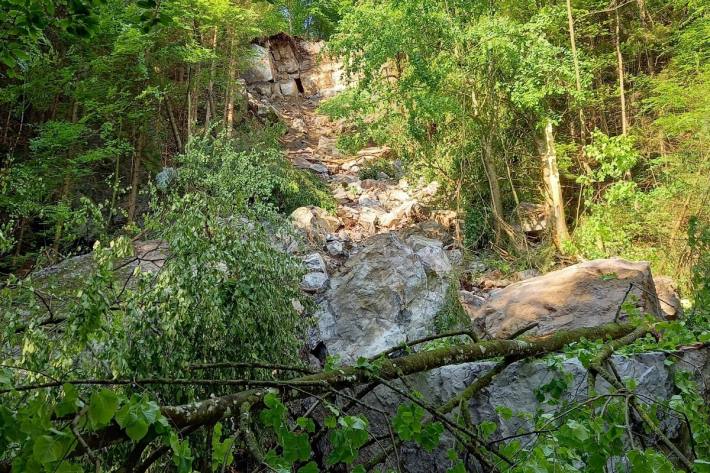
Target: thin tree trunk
210	110
230	92
173	124
575	60
620	67
190	80
135	177
494	186
553	187
66	190
645	19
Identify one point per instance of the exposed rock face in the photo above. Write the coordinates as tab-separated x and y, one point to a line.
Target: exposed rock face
386	294
515	388
288	66
582	295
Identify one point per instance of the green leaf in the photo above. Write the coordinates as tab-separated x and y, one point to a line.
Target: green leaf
102	407
306	424
71	403
46	449
310	467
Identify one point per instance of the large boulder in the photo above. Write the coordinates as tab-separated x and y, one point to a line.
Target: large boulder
260	67
387	293
583	295
516	391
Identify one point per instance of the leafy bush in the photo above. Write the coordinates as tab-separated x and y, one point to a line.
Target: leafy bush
372	169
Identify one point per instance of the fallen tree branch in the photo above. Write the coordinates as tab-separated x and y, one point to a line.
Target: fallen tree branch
211	410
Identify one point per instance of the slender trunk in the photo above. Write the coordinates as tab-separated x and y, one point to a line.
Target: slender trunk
645	19
620	67
553	187
210	110
575	60
190	80
494	186
230	92
173	124
135	178
66	191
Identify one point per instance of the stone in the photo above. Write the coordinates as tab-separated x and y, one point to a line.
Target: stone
383	296
515	388
315	263
260	68
335	248
368	218
582	295
297	306
320	168
329	146
668	297
289	88
431	253
315	282
315	222
299	125
532	217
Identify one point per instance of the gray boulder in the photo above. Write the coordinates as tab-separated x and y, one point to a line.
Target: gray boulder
387	293
515	390
583	295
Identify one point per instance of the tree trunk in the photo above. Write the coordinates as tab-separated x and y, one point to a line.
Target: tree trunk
173	124
620	67
66	190
575	60
494	186
230	92
210	110
135	177
553	188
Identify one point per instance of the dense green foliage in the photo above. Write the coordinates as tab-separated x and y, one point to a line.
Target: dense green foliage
468	87
143	222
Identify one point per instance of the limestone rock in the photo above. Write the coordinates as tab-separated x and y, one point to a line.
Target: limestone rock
583	295
668	298
315	222
384	295
260	67
516	386
289	88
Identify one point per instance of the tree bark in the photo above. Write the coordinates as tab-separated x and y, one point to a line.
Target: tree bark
620	69
553	187
66	189
489	166
210	110
173	125
230	92
135	177
575	60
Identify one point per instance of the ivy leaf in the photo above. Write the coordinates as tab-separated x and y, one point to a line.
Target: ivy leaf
102	407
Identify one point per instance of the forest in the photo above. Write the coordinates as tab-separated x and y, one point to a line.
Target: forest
354	235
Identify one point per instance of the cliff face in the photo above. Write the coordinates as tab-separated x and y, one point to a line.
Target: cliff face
289	66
